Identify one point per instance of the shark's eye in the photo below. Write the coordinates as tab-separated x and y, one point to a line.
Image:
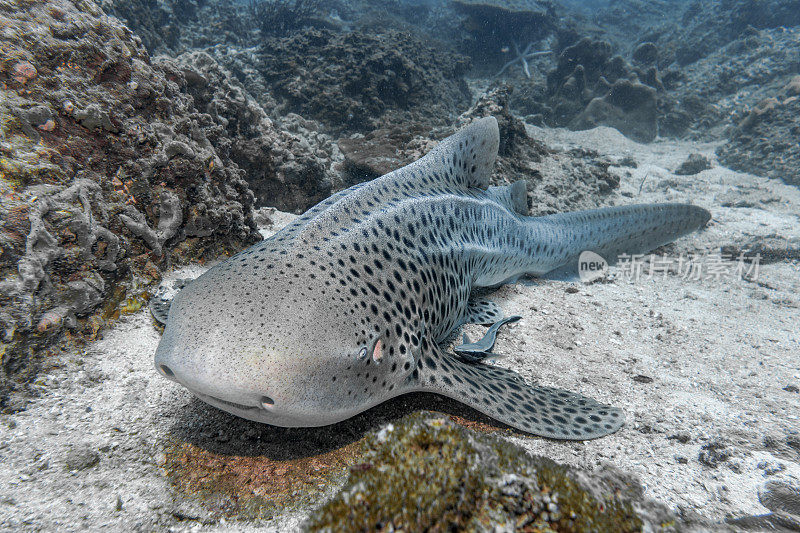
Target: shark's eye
267	402
363	353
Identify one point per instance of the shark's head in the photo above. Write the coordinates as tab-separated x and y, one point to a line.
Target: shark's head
285	351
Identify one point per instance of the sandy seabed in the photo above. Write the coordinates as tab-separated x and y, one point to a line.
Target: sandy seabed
706	369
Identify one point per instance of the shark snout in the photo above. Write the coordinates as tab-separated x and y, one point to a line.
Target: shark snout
211	384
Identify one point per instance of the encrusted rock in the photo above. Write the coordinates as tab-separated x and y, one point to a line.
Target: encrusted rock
694	164
425	473
174	26
765	141
630	107
359	81
287	166
592	86
646	53
378	152
106	166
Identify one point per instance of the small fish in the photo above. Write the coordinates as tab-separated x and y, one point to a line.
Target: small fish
474	352
352	303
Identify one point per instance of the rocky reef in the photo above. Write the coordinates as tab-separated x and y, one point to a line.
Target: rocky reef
109	173
128	149
557	180
290	170
704	99
765	140
425	473
591	86
360	81
175	26
490	26
697	29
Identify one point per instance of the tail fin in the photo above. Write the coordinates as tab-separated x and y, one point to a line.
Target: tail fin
612	231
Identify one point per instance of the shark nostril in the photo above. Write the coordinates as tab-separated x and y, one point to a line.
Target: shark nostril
166	371
267	402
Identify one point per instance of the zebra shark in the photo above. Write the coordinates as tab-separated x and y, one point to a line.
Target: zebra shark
353	303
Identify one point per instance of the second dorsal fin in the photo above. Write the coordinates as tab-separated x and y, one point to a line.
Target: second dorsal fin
514	196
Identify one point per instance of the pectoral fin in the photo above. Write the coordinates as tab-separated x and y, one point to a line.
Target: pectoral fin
503	395
160	302
159	308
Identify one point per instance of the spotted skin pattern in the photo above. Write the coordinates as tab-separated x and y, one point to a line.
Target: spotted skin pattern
352	303
483	311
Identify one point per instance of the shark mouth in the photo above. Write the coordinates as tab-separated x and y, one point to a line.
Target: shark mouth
219	402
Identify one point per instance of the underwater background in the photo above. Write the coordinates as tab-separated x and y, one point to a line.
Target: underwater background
141	141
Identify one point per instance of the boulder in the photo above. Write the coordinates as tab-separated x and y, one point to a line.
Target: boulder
630	107
646	53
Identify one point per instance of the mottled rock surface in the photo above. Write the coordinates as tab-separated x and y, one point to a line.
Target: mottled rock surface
360	81
426	473
108	173
701	28
765	142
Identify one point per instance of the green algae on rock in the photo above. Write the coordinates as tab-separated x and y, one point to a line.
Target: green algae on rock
425	473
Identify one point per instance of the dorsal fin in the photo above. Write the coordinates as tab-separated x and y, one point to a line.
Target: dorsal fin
468	156
514	196
463	160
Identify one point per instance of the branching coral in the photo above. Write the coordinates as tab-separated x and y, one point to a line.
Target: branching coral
169	222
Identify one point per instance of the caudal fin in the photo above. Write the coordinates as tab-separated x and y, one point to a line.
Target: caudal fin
612	231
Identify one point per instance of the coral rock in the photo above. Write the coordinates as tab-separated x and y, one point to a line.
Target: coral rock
424	473
86	181
630	107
